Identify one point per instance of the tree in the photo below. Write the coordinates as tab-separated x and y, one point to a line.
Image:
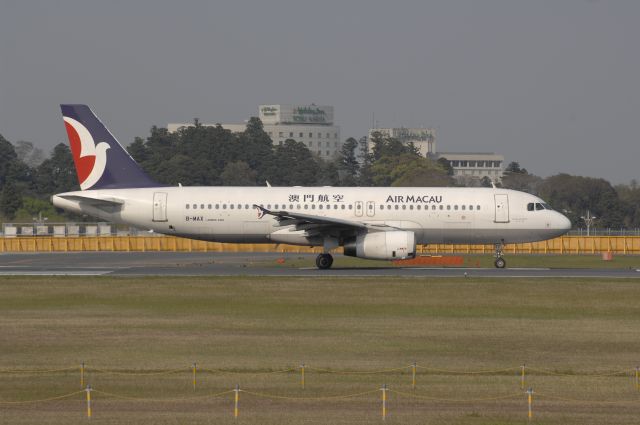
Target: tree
575	195
10	199
293	165
57	173
28	153
517	178
409	170
7	158
485	182
446	165
348	166
238	173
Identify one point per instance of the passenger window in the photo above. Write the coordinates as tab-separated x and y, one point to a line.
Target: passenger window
187	206
306	207
290	206
455	207
313	206
530	206
195	206
441	207
224	206
201	206
448	207
433	207
397	207
209	206
230	206
298	206
404	207
463	207
320	206
418	207
350	206
478	207
275	207
246	206
470	207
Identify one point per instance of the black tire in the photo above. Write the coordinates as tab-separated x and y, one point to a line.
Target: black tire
500	263
324	261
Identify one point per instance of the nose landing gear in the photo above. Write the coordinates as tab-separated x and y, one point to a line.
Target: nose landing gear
500	262
324	261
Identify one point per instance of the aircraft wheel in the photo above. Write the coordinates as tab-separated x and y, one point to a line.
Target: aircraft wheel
500	263
324	261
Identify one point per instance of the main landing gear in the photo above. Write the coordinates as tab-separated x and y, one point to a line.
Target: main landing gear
324	261
500	262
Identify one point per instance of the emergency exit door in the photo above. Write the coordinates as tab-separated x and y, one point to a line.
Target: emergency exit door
160	206
502	208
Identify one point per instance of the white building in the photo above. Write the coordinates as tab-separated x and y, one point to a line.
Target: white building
309	124
422	138
470	165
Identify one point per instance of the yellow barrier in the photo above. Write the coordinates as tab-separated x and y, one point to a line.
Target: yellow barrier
625	245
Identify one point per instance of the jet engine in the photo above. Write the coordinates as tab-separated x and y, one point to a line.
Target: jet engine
390	245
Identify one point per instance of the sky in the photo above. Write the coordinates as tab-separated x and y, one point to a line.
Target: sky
552	84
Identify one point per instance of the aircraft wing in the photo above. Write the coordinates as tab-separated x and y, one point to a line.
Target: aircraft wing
318	224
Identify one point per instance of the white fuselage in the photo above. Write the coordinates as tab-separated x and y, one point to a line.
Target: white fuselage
227	214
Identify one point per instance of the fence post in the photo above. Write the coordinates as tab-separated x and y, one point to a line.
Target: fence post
194	375
88	390
637	378
530	402
384	401
413	378
236	399
302	374
82	375
522	376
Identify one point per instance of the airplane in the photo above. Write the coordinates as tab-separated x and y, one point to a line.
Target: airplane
380	223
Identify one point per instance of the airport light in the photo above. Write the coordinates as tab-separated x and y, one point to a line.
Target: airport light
588	220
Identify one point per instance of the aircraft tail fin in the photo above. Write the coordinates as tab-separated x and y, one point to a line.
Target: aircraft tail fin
101	161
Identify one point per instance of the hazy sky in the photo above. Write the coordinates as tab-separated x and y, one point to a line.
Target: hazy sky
552	84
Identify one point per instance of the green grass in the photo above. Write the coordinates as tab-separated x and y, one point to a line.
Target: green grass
250	326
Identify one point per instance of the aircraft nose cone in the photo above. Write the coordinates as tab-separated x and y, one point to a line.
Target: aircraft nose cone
563	223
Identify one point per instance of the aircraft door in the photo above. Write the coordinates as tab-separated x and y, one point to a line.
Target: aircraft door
160	206
371	208
502	208
358	208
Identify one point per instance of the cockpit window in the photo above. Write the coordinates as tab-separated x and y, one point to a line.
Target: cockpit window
530	206
539	206
547	206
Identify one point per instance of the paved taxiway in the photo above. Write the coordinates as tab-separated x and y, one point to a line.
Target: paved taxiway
247	264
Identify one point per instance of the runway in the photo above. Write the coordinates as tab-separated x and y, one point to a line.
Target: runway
251	264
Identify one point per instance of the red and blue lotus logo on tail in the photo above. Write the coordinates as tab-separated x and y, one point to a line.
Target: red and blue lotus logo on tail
90	158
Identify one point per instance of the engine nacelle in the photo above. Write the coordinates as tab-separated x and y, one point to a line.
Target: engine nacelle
392	245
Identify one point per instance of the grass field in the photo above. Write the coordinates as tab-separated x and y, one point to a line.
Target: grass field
253	328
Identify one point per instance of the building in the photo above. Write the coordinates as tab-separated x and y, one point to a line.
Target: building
470	166
422	138
309	124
